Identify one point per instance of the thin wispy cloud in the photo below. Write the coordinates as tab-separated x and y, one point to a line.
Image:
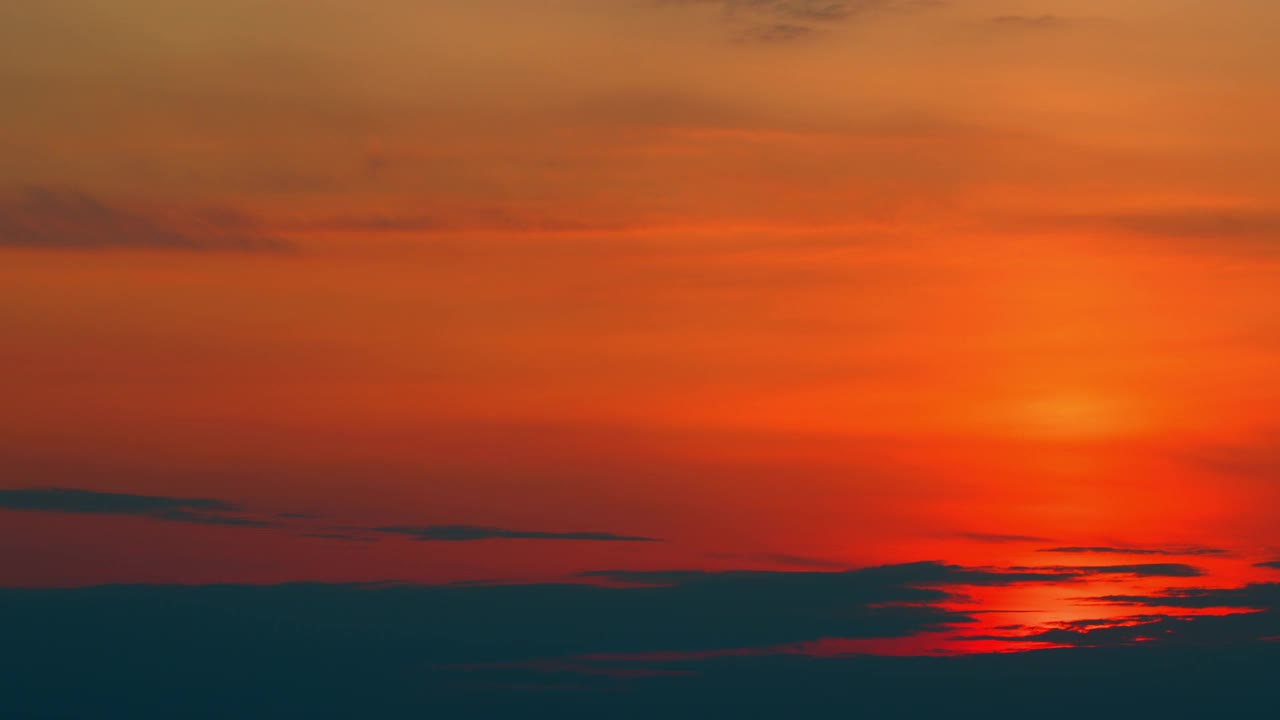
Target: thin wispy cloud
1254	595
928	574
1242	231
210	511
799	561
1171	570
44	218
201	511
1103	550
470	533
771	21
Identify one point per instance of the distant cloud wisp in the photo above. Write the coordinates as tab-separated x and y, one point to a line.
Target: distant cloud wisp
769	21
209	511
1214	231
1103	550
1171	570
467	533
43	218
202	511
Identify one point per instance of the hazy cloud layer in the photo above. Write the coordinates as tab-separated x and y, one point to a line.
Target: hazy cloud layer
789	20
44	218
1211	230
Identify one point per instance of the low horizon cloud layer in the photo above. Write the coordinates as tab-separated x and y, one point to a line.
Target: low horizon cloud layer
808	608
565	647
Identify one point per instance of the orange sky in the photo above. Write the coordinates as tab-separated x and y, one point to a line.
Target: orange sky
751	278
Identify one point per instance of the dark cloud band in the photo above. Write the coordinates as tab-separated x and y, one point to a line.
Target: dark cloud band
202	511
465	533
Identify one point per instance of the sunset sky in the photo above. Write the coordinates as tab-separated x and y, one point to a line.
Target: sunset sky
986	292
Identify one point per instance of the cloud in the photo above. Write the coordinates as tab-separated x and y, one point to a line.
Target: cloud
800	561
1233	629
929	574
202	511
467	533
1271	564
60	219
1252	596
1201	223
819	10
1208	617
1176	570
515	622
772	21
1211	230
1134	551
207	519
1235	616
320	650
207	511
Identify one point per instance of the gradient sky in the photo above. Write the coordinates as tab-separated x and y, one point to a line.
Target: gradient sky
512	291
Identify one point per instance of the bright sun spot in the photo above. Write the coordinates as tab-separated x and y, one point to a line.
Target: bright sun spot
1073	415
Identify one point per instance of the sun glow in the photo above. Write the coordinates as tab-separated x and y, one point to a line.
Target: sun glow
1074	415
1064	415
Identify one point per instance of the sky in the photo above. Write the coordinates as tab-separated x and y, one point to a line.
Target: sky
962	310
